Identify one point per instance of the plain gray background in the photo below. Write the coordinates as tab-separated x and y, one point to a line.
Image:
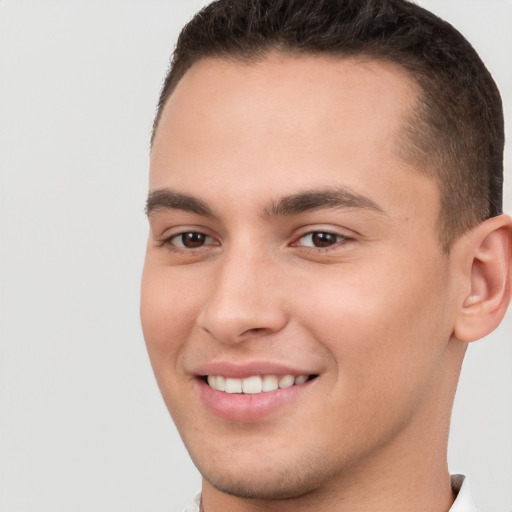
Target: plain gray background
83	427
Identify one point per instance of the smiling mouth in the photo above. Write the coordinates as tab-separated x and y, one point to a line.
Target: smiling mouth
256	383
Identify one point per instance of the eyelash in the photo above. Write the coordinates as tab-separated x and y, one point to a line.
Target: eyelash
312	234
169	241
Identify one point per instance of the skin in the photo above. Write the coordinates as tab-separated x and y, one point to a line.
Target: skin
373	314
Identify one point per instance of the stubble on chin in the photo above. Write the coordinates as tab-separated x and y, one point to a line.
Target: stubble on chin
278	481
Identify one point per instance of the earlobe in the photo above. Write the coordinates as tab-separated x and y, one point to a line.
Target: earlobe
488	274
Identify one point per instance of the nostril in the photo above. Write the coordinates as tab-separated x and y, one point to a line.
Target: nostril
254	330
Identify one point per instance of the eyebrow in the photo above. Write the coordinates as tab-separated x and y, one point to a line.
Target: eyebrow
166	199
309	200
331	198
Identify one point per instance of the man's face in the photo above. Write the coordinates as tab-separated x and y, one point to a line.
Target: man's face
289	241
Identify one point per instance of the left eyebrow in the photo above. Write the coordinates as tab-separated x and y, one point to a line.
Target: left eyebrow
167	199
311	200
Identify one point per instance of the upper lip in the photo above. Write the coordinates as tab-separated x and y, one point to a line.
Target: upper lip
248	369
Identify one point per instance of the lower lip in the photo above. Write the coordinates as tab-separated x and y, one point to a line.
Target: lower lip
248	407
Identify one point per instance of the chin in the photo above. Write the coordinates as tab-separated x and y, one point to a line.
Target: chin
263	480
279	487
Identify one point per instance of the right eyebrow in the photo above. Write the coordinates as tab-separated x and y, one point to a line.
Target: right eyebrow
319	199
167	199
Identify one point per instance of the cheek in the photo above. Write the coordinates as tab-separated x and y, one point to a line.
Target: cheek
380	325
386	341
168	300
167	314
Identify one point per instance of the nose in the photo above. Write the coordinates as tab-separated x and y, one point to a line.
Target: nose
244	299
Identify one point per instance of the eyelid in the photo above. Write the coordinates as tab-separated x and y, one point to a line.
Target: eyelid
343	236
166	239
337	237
182	246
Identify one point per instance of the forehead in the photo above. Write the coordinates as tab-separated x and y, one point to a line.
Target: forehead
282	123
311	85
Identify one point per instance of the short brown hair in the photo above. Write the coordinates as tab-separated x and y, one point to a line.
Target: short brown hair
456	132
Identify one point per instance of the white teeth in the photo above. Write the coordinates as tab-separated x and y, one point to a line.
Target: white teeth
254	384
220	383
270	383
233	385
286	381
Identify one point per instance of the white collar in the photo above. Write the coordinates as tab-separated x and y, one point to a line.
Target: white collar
463	502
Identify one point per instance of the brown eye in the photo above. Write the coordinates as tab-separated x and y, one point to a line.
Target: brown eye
191	240
320	239
323	239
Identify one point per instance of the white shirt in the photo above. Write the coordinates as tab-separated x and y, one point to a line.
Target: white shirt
463	502
460	485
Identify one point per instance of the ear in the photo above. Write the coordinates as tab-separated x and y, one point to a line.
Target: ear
488	281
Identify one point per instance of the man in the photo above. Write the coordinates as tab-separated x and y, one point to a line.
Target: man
326	239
